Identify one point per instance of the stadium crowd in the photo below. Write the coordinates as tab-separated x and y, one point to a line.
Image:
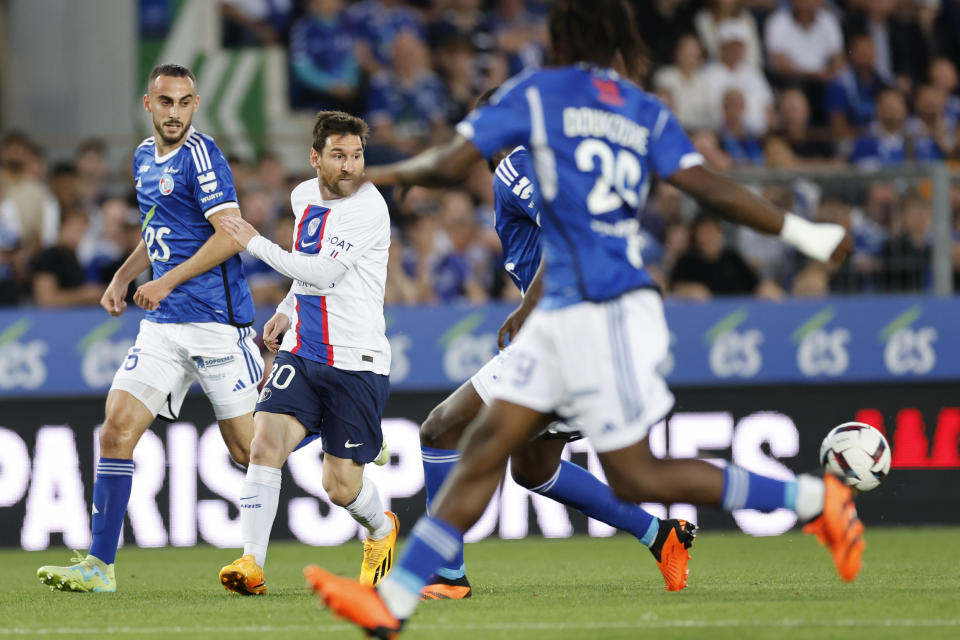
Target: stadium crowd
784	84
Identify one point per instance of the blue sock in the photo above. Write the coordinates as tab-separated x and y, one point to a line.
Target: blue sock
432	543
111	492
576	487
437	464
744	489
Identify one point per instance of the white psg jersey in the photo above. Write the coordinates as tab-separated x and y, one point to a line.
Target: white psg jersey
338	324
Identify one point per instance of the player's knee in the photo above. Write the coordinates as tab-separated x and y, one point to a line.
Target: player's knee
439	430
265	449
339	492
118	437
240	453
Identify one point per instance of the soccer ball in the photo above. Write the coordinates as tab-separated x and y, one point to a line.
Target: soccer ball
857	453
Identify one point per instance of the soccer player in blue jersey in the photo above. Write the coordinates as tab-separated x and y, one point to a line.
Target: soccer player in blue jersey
199	313
538	465
590	350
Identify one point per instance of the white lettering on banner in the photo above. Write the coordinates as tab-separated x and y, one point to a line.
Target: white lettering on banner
911	351
101	361
782	435
219	474
22	365
691	433
315	521
55	502
405	478
467	353
182	453
824	352
149	475
14	468
400	343
736	354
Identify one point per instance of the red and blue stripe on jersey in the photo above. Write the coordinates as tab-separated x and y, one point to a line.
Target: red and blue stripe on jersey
313	328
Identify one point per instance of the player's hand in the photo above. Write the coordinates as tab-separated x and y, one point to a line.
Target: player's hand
511	326
113	299
239	229
273	329
149	295
842	252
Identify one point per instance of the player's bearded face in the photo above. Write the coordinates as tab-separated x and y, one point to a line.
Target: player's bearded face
171	103
340	165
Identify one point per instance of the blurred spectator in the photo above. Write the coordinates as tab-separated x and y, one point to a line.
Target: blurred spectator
885	142
380	21
708	19
463	19
457	272
934	136
732	71
401	287
254	23
270	179
64	183
906	256
859	271
325	69
454	59
813	281
687	84
122	224
710	268
33	212
707	144
661	23
520	34
805	46
418	259
744	149
406	106
943	74
902	52
58	279
769	258
91	164
794	128
852	95
267	286
9	247
242	174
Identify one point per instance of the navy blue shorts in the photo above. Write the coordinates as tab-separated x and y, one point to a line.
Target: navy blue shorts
342	407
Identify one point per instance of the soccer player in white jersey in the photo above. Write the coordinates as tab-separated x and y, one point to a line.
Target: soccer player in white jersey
199	313
330	378
591	349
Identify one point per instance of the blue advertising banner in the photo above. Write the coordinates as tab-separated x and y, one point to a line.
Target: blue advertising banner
735	341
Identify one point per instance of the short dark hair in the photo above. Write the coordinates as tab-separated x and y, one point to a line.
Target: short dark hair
596	31
172	70
332	123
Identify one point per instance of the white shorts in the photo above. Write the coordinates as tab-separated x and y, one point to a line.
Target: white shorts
168	357
594	364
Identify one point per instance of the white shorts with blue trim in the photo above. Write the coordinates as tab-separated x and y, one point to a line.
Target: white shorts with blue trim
168	357
595	365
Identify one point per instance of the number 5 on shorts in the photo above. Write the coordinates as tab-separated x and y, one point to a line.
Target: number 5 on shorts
132	358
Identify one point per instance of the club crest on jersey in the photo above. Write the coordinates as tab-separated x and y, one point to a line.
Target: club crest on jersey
166	184
312	227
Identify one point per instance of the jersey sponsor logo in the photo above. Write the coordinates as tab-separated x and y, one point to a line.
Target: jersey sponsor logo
208	181
212	196
171	170
608	92
337	241
166	184
207	363
143	168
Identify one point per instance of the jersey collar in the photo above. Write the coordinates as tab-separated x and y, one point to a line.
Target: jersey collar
161	159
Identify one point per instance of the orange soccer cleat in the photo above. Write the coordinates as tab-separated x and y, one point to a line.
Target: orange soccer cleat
670	550
447	589
244	576
354	602
838	528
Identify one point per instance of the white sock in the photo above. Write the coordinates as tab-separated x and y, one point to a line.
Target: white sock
400	601
258	507
367	509
810	494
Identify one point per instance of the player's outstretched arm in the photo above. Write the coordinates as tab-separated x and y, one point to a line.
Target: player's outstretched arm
218	248
511	326
821	241
438	166
114	298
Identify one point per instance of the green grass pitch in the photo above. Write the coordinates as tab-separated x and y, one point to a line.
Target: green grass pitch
740	587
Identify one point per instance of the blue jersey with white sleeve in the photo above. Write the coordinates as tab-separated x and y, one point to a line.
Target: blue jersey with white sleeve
595	140
177	193
517	217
